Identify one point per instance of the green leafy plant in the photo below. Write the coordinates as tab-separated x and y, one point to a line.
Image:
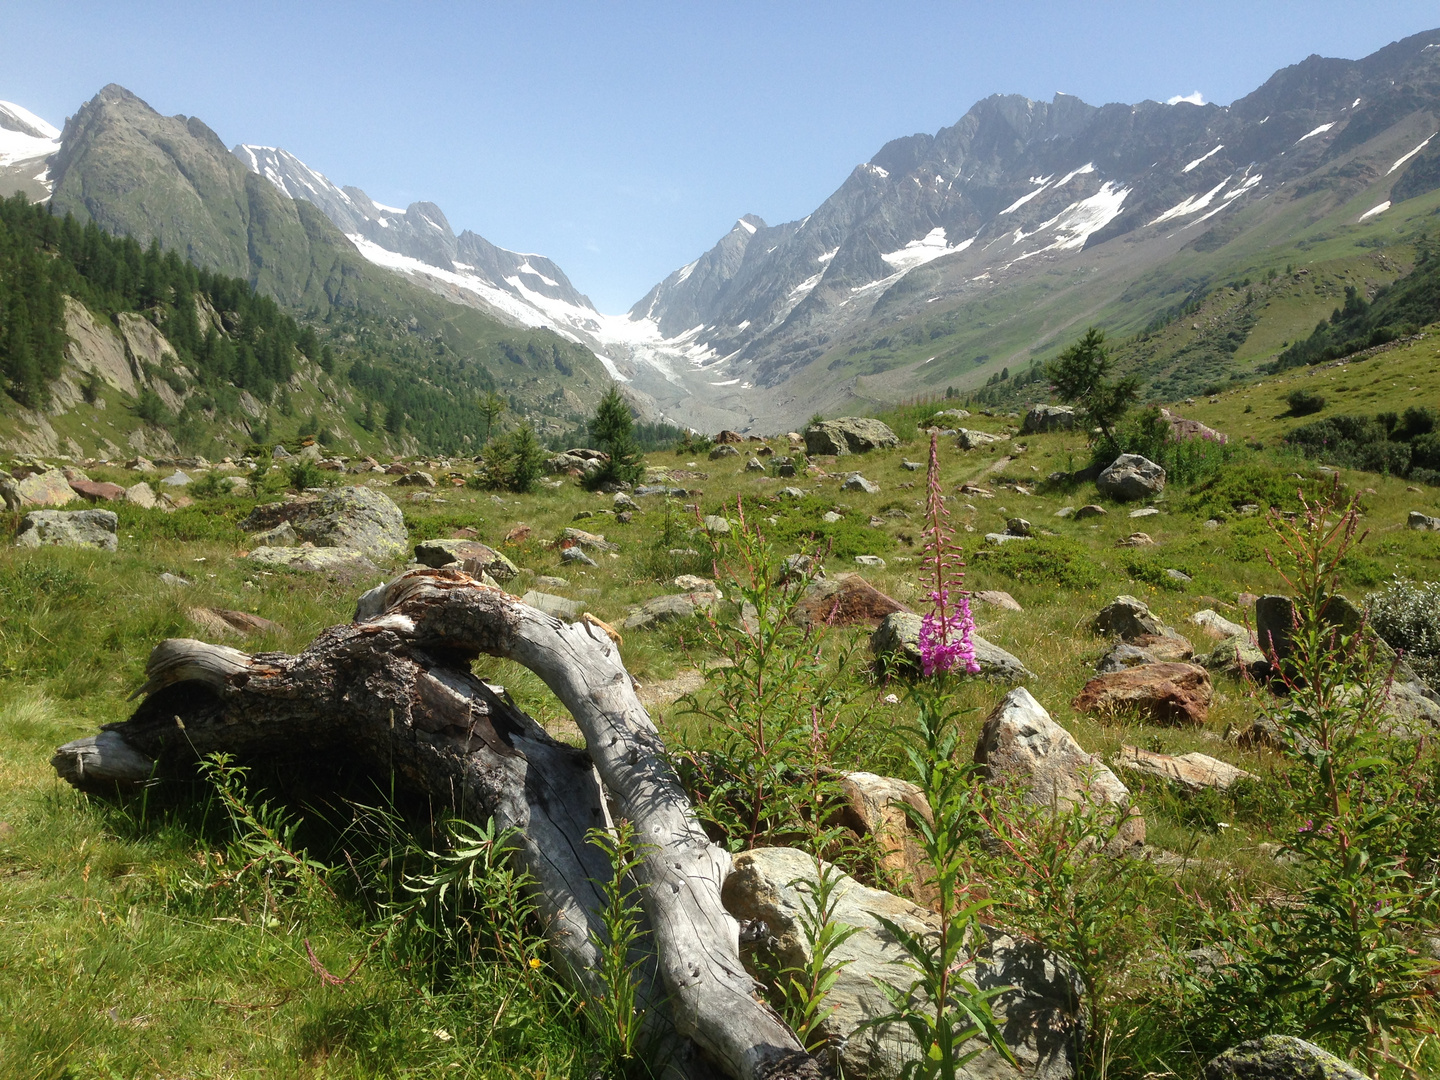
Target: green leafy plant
612	1013
804	988
949	1016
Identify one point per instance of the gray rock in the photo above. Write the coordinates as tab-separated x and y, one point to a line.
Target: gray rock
416	479
1178	575
1130	478
283	535
1128	618
1018	526
1192	771
547	582
69	528
716	525
859	483
1065	512
1004	538
1021	744
722	451
662	609
622	501
768	888
1235	656
557	606
174	579
848	435
997	598
176	479
344	561
784	466
1089	511
573	555
350	518
830	517
895	644
592	541
142	495
870	560
911	466
754	465
970	440
1048	418
1123	657
1217	625
1279	1057
475	556
1144	512
1423	522
792	493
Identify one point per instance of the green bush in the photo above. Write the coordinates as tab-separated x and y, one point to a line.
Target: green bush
511	462
1304	402
1246	482
801	528
1406	614
1049	560
1152	571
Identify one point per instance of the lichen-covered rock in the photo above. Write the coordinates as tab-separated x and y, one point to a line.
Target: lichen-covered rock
1127	618
849	435
345	563
1192	771
357	519
724	450
69	528
1130	478
1235	656
472	553
47	488
859	483
1279	1057
1020	744
1040	1016
662	609
1048	418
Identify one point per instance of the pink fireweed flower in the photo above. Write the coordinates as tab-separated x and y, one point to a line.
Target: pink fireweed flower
947	630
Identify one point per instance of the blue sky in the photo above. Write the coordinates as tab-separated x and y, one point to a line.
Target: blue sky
623	139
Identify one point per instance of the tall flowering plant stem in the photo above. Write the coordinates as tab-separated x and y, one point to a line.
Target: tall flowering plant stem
947	630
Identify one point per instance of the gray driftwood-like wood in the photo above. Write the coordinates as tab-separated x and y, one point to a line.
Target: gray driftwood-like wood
394	689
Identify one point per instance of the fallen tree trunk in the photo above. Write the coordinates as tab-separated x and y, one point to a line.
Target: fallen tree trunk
394	690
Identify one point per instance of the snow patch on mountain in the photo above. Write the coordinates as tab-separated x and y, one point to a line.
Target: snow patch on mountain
929	247
1317	131
1410	155
1192	205
1376	210
24	136
1202	157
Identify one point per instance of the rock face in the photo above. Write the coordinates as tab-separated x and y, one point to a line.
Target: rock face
1166	693
848	435
1193	771
1040	1018
844	600
1022	745
485	559
896	645
354	519
1279	1057
1130	478
69	528
49	488
1048	418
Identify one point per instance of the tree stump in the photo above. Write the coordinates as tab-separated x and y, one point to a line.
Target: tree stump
394	690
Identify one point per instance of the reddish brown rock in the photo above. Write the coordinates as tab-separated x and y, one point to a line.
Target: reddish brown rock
97	490
1166	693
728	436
1168	648
844	600
518	535
875	807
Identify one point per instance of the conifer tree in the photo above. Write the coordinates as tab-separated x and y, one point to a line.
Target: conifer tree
613	428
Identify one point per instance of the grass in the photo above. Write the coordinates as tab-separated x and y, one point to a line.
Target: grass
111	966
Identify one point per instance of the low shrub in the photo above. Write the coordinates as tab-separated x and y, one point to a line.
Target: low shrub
800	527
1406	615
1304	402
1398	446
1244	483
1050	560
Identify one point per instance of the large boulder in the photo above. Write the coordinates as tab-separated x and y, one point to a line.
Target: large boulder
1048	418
48	488
1130	478
848	435
1279	1057
342	563
355	519
966	439
69	528
1165	693
1128	619
1040	1015
896	646
476	557
558	606
1183	429
97	490
1217	626
844	600
1021	745
875	806
1235	656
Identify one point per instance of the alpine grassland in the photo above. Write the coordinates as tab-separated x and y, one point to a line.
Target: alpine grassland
277	918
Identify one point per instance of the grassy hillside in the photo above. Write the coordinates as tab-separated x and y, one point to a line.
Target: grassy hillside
129	944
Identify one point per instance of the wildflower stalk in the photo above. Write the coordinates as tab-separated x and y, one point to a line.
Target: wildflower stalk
946	632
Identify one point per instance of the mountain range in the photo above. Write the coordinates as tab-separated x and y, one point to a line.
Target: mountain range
940	262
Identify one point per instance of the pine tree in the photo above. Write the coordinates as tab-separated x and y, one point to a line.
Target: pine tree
613	428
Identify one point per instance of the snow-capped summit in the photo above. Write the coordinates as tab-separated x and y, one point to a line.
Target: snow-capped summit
24	136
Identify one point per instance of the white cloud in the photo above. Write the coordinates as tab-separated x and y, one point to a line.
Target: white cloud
1197	98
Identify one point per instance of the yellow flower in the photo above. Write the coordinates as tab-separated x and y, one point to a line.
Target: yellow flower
534	962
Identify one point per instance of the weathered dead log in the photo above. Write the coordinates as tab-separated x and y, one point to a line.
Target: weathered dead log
394	689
